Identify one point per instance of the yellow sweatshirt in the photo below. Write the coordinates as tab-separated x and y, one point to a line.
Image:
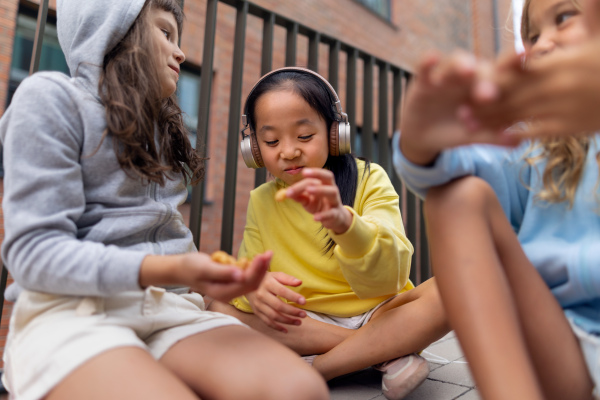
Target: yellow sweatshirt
370	262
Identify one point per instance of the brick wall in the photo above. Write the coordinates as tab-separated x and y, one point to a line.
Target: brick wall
416	27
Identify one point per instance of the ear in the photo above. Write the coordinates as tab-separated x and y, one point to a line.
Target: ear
591	14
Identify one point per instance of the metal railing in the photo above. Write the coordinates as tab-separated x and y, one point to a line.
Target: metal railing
411	206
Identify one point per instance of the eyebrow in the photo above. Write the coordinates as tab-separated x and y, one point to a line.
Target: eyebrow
552	10
300	122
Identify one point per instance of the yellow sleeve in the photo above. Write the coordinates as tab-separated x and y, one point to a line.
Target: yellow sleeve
251	245
374	253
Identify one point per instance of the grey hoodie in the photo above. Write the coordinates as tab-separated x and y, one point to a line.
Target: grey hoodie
75	222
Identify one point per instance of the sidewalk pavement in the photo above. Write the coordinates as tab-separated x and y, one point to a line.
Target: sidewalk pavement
449	377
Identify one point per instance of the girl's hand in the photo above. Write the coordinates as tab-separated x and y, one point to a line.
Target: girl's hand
440	92
319	195
268	306
557	93
203	275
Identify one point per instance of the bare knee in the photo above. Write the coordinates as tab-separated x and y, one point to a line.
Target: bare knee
469	194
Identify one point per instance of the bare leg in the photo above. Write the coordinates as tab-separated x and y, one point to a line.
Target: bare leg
513	332
405	325
123	373
235	362
311	337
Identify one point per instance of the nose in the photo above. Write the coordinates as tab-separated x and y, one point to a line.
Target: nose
178	54
289	152
544	46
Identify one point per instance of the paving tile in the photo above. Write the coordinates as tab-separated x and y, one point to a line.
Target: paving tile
472	394
443	352
435	390
456	372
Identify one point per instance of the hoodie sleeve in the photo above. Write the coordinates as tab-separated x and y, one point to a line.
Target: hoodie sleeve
374	253
44	198
500	167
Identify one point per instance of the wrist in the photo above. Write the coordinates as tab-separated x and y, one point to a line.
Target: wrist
160	270
346	222
416	154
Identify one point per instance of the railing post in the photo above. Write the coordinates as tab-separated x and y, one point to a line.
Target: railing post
39	37
237	73
206	81
313	51
334	64
291	44
367	131
266	64
351	94
383	132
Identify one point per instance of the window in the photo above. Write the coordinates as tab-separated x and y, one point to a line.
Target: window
52	58
382	8
188	95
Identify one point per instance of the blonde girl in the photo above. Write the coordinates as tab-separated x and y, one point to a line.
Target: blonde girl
95	167
514	232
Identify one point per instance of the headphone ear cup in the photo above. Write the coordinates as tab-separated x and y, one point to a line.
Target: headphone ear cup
251	152
344	138
334	140
256	151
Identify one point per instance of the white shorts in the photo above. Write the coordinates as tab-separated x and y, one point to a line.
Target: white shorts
590	346
51	335
354	322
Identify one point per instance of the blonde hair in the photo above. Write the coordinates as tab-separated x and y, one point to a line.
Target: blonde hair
565	156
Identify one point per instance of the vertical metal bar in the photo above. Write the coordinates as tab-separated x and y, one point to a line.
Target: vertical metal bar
39	37
424	246
234	127
396	115
383	133
334	64
367	128
351	94
3	279
206	80
266	64
313	51
411	233
291	44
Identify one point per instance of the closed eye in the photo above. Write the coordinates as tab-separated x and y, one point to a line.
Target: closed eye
271	142
306	137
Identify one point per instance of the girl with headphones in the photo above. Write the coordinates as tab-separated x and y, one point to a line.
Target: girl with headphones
338	288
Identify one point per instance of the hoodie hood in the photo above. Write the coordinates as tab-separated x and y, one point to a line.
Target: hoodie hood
88	30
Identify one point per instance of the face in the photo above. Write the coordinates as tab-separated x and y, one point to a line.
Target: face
291	135
167	52
553	25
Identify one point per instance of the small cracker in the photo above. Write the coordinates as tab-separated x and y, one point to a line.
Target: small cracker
222	257
280	195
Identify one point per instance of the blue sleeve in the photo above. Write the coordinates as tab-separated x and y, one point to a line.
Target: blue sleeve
44	198
500	167
581	281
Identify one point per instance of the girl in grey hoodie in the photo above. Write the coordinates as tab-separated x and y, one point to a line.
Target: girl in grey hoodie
95	167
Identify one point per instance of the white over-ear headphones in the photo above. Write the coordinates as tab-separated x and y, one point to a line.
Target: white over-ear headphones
339	135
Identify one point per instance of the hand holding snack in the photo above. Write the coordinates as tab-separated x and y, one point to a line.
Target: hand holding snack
320	196
222	257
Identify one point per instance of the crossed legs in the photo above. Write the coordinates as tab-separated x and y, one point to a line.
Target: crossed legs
405	325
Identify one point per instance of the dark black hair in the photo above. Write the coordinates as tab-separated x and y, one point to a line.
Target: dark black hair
318	96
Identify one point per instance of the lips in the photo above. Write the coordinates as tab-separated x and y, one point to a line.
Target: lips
293	170
174	69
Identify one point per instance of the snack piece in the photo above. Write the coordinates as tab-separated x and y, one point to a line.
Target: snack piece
280	195
222	257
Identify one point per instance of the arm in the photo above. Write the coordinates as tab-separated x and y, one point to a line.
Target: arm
374	253
44	198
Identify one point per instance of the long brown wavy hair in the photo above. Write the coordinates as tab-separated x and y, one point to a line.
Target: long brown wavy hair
565	155
149	136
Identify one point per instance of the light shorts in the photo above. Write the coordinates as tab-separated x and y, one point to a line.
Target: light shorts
51	335
590	346
354	322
